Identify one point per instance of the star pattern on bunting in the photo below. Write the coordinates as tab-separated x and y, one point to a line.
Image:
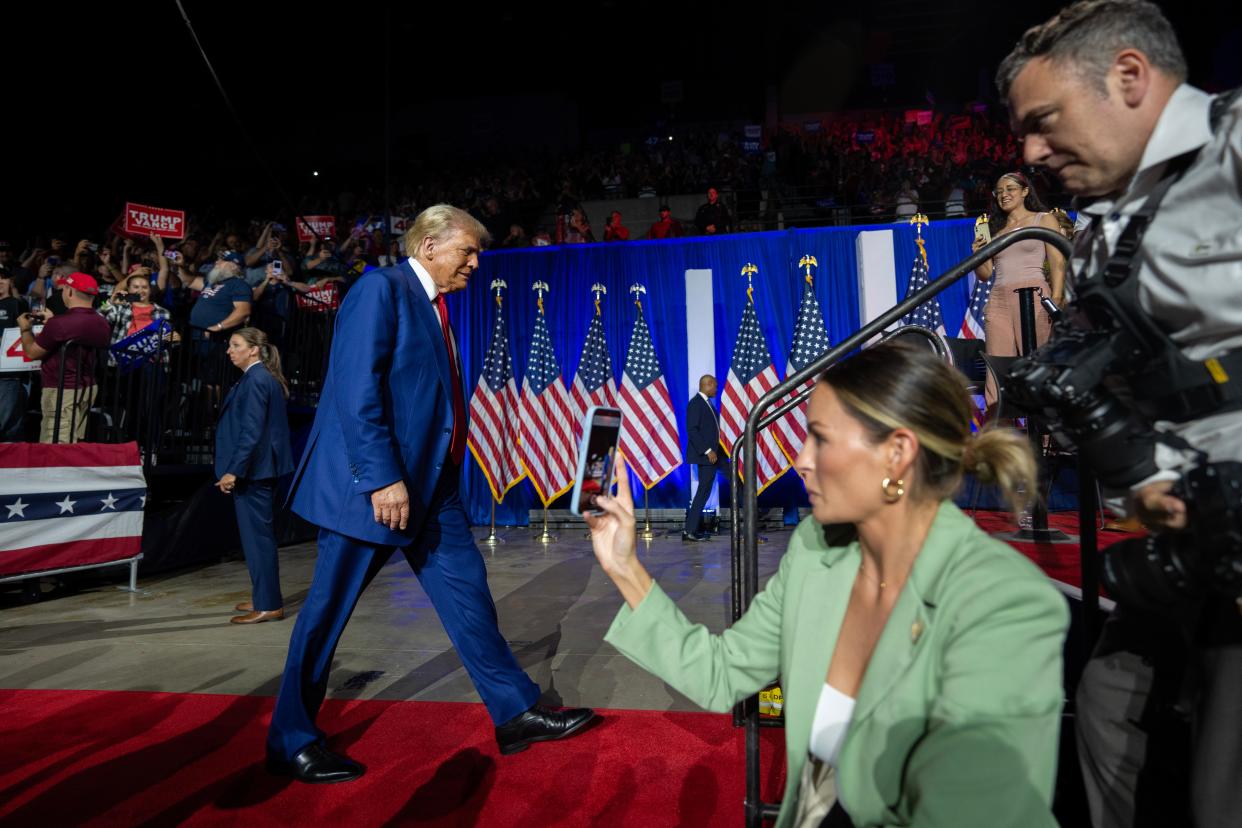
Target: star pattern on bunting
18	508
108	502
66	505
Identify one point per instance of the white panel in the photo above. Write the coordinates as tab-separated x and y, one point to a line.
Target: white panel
700	350
877	274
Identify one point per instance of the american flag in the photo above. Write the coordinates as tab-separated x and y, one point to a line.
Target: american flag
493	434
593	383
809	343
649	438
547	437
70	504
751	375
972	325
926	315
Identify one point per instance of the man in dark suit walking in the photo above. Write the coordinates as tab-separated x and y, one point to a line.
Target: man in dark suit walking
381	473
702	449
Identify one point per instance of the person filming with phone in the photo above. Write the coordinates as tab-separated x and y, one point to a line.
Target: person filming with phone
919	657
130	309
70	364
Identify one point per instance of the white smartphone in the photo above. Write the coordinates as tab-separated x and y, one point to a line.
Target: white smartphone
597	454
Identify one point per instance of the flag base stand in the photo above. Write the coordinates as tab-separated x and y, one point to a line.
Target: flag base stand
492	538
646	532
545	536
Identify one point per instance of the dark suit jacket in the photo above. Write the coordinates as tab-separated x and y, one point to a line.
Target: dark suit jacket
702	431
386	412
252	437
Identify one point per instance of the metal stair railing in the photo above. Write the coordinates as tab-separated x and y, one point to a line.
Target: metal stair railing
745	538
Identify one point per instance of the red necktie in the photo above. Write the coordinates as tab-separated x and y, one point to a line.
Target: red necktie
457	444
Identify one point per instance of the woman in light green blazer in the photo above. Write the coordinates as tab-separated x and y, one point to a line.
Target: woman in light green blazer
920	659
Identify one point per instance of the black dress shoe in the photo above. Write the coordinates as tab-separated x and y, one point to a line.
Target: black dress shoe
317	765
686	537
539	724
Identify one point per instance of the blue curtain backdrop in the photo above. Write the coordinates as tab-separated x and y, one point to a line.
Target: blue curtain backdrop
570	271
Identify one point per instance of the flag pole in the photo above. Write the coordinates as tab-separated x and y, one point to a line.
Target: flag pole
492	538
545	536
646	533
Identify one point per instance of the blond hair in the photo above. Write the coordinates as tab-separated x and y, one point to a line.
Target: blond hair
895	385
268	355
438	221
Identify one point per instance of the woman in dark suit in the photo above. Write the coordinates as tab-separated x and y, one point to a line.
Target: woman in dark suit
252	452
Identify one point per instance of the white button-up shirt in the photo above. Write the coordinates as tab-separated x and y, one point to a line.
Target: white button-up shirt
1190	276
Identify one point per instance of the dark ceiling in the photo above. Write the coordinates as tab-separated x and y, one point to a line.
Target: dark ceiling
110	102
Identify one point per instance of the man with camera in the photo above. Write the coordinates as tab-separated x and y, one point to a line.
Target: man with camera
66	345
1146	382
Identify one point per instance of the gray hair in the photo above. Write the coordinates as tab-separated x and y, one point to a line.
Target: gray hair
1087	36
438	221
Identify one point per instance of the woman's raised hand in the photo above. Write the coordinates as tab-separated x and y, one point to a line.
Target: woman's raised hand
612	533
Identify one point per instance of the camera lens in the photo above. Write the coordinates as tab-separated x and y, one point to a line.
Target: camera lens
1151	573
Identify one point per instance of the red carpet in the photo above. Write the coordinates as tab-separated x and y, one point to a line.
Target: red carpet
1059	560
125	758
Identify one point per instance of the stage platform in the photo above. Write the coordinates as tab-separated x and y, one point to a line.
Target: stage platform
553	600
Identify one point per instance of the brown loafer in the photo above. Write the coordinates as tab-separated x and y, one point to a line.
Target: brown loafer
258	617
245	606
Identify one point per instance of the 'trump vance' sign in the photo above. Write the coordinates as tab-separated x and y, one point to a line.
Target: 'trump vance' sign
141	220
323	226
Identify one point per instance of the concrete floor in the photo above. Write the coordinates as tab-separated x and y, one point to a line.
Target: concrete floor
553	601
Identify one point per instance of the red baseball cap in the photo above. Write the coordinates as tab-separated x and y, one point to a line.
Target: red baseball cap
83	282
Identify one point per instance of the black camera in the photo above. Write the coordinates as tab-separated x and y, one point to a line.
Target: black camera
1164	571
1104	377
1067	381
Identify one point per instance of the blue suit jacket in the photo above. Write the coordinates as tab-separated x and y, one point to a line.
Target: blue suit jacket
386	412
702	431
252	437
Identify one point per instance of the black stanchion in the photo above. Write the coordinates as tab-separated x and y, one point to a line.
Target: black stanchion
1038	530
1089	561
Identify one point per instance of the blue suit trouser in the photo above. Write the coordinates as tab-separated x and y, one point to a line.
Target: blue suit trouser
252	500
452	573
707	478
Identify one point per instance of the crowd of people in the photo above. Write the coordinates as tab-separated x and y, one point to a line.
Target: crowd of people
875	166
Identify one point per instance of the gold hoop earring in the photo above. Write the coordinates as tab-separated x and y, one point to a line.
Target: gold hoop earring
893	491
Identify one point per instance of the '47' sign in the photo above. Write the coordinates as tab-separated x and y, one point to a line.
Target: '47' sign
12	357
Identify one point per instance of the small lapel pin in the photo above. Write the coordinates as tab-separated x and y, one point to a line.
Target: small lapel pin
916	629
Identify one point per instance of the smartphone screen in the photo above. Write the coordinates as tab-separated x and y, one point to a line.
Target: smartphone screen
601	430
277	266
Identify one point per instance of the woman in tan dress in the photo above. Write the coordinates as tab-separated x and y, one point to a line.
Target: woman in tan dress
1018	266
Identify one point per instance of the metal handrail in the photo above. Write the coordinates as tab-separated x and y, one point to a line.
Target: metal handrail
749	551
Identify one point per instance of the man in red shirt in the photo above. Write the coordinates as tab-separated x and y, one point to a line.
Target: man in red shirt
81	325
667	227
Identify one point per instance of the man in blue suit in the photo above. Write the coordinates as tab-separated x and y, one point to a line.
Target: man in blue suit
380	473
703	450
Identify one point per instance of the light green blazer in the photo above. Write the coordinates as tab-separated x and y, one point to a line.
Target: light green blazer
958	716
